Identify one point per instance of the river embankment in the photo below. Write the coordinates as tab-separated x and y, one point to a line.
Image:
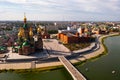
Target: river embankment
55	64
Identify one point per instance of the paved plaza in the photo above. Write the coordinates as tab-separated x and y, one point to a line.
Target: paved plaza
55	48
51	48
15	56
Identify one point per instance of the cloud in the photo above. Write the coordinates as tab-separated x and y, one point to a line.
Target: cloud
78	5
71	9
15	1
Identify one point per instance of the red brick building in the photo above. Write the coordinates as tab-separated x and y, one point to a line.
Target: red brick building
74	36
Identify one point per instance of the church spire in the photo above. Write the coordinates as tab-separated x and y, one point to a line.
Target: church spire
25	19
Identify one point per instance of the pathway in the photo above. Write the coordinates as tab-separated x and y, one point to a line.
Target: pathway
71	69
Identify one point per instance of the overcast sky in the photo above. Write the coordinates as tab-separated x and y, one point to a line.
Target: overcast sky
68	10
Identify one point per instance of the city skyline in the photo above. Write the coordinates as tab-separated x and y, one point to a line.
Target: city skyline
62	10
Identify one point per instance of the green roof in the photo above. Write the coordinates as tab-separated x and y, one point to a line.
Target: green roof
2	48
26	43
19	47
13	46
25	25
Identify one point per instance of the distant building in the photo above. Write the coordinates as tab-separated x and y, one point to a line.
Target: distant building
44	33
100	30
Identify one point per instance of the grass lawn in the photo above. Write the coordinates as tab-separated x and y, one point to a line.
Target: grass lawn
77	46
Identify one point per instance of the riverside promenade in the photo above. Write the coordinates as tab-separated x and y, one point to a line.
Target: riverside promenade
71	69
85	56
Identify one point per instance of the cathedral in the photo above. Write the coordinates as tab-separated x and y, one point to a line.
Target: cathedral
28	41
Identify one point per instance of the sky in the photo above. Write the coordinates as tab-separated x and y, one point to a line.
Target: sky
60	10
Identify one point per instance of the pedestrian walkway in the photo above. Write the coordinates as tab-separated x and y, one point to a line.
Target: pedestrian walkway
71	69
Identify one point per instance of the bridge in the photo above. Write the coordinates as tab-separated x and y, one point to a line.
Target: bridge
71	69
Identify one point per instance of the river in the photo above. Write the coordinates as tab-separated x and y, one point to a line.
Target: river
106	67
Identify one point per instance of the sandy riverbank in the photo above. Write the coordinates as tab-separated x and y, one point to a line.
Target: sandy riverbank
51	64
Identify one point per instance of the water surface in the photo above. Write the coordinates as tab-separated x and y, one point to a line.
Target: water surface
98	69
